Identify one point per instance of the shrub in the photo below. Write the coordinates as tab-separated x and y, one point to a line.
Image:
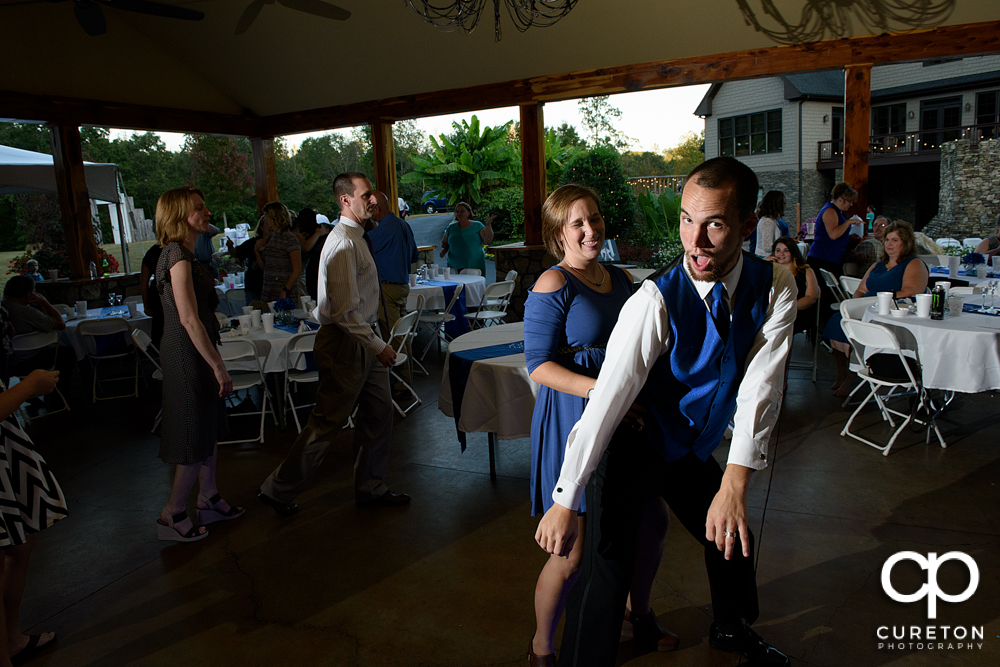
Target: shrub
507	204
56	258
601	169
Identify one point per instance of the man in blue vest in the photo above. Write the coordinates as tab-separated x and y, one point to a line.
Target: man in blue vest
704	337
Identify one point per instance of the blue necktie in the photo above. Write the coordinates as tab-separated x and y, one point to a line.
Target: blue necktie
720	311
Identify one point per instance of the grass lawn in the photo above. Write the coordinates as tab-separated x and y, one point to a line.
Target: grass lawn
135	253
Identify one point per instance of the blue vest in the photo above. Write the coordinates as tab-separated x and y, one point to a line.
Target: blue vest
691	391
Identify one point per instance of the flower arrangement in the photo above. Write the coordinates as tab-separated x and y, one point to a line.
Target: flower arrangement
973	259
282	305
283	311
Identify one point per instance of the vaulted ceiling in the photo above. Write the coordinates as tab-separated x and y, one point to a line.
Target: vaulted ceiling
291	61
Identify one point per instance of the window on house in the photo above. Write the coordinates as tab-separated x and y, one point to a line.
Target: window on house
988	114
941	114
751	134
890	119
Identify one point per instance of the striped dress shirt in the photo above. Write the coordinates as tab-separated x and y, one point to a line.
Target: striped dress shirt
348	285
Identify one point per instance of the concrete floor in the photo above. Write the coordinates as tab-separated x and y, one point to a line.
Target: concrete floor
449	580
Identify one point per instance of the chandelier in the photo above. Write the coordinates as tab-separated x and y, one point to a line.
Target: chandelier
448	15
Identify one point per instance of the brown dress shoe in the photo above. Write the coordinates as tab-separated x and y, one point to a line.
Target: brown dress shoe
548	660
387	499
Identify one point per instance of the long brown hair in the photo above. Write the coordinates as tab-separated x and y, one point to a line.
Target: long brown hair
172	210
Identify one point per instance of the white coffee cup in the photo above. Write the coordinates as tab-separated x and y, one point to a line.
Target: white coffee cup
981	270
447	272
953	264
924	305
810	227
133	309
304	302
955	304
884	303
996	263
311	306
943	260
53	274
239	278
81	308
247	310
270	305
413	280
245	323
946	284
268	321
255	319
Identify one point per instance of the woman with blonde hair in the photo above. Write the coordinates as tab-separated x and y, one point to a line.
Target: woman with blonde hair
280	255
568	319
195	380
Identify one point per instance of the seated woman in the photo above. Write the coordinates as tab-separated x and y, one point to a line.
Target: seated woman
899	272
785	251
990	246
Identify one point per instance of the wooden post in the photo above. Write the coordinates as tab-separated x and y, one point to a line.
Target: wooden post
857	130
74	200
533	170
265	174
384	157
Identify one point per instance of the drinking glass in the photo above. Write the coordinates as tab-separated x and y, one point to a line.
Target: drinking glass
118	302
111	301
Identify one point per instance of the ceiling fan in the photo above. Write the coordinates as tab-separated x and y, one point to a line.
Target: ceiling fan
90	16
315	7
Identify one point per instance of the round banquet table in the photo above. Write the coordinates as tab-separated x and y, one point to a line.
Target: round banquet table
434	294
499	396
71	336
960	353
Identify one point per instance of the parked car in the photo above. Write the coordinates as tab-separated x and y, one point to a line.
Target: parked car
435	204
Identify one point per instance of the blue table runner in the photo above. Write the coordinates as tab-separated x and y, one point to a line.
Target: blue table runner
459	367
459	325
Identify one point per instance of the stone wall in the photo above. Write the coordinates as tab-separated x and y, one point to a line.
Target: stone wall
816	188
970	190
529	262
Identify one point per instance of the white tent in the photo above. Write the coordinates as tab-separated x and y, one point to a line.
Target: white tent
27	171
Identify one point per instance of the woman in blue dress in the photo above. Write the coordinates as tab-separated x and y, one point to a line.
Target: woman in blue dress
899	272
568	319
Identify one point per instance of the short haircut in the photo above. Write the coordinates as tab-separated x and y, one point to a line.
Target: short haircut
719	172
555	212
278	215
31	261
905	232
172	211
793	248
305	221
772	205
843	190
18	287
343	184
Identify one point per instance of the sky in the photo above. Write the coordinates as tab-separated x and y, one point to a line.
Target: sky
656	119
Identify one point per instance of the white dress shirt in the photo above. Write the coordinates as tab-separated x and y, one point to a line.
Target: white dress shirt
348	285
640	337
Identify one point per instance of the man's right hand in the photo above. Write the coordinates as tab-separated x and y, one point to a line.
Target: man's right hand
387	356
557	531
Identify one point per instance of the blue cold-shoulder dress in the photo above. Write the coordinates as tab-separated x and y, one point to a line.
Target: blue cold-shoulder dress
571	327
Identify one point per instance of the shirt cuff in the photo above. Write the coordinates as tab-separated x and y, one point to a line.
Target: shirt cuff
568	494
748	452
374	345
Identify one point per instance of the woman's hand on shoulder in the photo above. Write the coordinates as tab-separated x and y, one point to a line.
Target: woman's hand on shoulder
550	281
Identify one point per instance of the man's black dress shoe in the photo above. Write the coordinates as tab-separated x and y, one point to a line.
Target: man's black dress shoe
749	643
387	499
283	509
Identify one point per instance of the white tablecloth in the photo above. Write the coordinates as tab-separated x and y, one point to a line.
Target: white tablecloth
434	294
70	336
959	353
971	280
270	348
499	396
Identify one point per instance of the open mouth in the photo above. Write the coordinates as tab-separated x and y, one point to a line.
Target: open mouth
701	262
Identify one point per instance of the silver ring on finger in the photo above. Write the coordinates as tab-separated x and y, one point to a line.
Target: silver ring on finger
728	534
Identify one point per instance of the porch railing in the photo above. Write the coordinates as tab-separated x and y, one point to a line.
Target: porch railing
914	144
655	185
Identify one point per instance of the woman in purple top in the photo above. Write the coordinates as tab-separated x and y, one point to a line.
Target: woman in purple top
831	235
568	319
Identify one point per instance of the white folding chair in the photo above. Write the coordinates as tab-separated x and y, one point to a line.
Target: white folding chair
439	319
401	331
850	285
971	242
946	242
470	272
106	339
298	347
888	368
36	342
511	275
419	310
854	309
67	312
244	352
237	298
143	343
831	283
487	314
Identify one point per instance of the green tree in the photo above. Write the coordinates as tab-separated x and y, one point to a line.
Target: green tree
599	117
305	178
222	167
558	153
26	136
467	163
686	155
601	169
568	136
646	163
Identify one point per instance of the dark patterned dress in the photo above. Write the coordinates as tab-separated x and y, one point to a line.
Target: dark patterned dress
278	265
194	416
30	497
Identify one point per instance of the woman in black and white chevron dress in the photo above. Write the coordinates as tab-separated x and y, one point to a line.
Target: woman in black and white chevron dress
30	501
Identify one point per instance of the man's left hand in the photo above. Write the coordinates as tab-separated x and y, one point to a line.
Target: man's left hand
727	516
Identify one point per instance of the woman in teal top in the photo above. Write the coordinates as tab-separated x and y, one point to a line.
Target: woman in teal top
463	240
